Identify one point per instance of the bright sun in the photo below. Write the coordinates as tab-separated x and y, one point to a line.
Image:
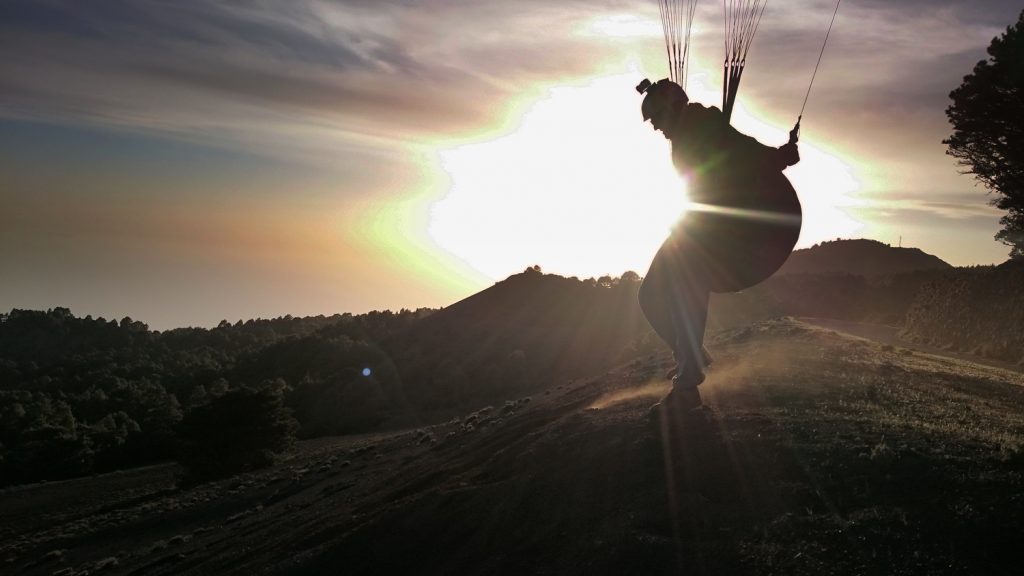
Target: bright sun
584	188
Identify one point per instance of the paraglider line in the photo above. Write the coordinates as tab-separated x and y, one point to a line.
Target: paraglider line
820	54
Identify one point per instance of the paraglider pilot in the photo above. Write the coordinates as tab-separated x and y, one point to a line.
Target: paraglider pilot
743	221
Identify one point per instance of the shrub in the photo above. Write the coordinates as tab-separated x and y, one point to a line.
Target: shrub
239	431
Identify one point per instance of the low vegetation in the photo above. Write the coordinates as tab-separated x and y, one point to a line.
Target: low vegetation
977	310
239	431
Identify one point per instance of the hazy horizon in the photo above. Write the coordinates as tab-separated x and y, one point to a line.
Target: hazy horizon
183	164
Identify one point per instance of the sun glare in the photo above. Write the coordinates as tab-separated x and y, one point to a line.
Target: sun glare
622	26
584	187
581	188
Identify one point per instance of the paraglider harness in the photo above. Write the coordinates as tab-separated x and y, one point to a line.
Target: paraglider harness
665	96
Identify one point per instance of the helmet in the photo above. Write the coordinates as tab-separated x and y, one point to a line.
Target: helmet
659	96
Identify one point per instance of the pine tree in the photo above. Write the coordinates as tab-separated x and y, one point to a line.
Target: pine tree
987	115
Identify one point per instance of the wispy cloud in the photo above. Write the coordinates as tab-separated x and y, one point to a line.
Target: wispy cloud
220	70
405	69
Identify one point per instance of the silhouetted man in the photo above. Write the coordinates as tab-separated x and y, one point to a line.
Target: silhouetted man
742	224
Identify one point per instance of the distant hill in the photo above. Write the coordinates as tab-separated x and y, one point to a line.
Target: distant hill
860	257
516	336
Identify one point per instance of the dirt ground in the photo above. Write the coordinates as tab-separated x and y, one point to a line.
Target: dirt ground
817	453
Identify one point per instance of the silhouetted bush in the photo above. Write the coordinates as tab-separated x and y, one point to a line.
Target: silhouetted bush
49	453
977	310
239	431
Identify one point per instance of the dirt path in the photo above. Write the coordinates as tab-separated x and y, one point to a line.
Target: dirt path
890	335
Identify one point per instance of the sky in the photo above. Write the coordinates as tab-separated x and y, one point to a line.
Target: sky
187	162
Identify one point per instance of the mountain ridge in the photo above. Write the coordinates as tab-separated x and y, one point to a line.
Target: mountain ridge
860	257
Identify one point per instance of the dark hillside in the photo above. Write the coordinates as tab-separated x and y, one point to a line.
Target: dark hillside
875	299
860	257
975	310
516	336
859	280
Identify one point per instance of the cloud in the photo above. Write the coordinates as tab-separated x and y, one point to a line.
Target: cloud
984	13
950	206
381	70
313	78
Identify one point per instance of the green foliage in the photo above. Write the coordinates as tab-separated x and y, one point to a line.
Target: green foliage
81	395
112	437
241	430
326	384
40	439
988	129
50	452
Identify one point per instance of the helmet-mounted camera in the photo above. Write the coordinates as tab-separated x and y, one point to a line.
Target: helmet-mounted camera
659	96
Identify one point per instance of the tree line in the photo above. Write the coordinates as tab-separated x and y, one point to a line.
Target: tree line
85	395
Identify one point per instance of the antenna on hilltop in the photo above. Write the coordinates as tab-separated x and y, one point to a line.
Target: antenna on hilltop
901	241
